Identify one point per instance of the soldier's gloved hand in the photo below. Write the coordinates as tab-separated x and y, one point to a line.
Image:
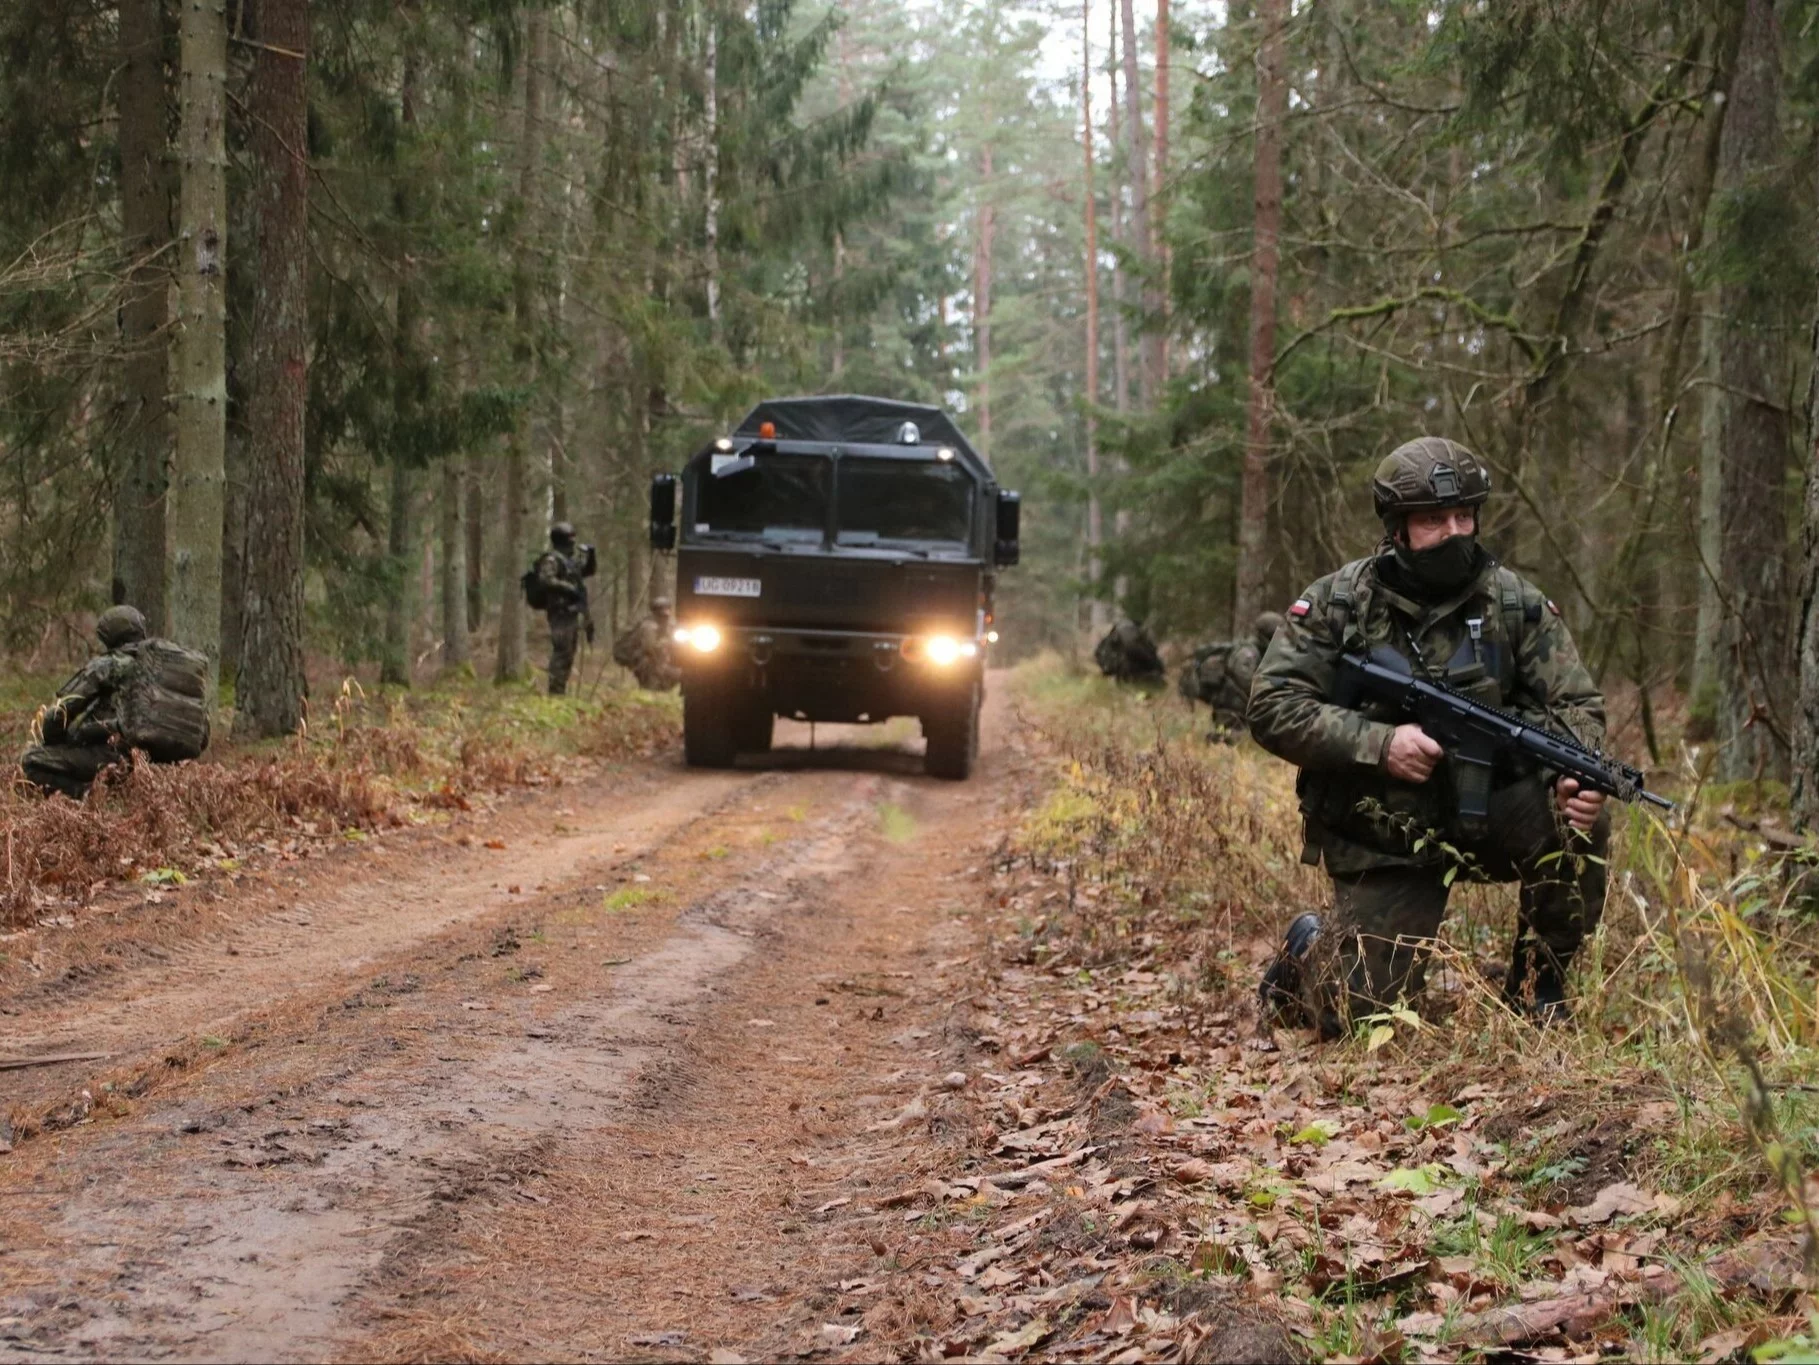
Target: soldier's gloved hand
1581	808
1413	754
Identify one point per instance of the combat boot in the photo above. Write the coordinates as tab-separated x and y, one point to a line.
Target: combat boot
1535	988
1279	993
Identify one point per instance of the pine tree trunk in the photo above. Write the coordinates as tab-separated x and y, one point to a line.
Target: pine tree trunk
270	690
710	167
1121	351
1754	660
395	658
198	469
1702	718
1139	171
511	661
145	207
1159	247
982	300
454	564
1253	517
1804	771
1095	515
475	523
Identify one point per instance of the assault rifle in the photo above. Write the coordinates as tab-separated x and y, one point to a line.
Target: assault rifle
1473	734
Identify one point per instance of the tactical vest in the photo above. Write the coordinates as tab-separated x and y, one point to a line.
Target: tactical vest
1482	667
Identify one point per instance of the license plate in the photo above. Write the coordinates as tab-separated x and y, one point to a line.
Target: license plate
728	587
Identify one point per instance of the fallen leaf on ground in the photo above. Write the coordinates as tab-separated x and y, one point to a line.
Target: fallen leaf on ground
1620	1200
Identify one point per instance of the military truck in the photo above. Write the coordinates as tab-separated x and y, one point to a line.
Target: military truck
835	561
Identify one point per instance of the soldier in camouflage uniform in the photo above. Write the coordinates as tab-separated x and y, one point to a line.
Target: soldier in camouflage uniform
563	576
1220	675
79	729
649	648
1377	796
1128	655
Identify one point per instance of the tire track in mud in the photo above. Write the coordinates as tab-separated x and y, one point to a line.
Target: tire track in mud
346	917
238	1232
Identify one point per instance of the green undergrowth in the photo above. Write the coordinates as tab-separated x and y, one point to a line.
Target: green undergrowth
1692	1070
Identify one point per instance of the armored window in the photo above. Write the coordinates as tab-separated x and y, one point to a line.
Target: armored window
779	496
898	500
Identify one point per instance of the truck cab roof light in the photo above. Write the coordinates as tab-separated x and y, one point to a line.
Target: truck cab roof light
724	444
767	431
945	453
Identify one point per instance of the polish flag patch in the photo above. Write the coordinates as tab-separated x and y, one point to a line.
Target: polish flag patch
1301	608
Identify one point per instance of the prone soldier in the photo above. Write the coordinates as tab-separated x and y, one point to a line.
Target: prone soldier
139	693
648	649
1383	802
1221	674
1128	654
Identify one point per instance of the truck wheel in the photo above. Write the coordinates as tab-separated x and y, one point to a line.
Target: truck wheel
707	729
755	726
953	738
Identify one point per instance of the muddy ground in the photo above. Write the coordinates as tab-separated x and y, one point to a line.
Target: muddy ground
618	1069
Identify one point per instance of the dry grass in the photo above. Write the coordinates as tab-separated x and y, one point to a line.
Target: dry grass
1696	997
375	761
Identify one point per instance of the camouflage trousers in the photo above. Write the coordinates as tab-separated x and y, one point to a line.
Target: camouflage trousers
1385	920
564	635
67	768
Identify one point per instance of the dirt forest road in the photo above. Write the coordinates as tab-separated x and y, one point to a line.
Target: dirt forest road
589	1077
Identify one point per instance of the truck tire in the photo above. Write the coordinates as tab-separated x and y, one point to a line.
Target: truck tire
707	728
756	723
953	738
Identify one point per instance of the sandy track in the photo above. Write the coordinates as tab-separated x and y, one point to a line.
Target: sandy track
406	1036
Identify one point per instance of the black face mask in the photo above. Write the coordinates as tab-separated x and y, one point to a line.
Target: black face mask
1440	570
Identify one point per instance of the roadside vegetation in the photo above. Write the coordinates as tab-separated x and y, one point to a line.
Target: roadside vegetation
1450	1182
369	760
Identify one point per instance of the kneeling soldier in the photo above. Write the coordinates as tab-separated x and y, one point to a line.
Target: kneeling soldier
1379	799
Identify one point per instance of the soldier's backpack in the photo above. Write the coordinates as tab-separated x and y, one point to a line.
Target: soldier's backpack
1205	673
536	591
164	705
628	649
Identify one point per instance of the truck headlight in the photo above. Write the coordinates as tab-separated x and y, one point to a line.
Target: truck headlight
943	650
704	639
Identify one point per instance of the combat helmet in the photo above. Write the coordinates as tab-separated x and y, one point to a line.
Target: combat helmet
1267	624
661	606
562	535
1425	473
119	626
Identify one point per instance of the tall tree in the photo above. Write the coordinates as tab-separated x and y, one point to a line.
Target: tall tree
1253	514
271	686
1138	171
1095	516
984	239
145	211
198	470
1752	358
510	661
1159	246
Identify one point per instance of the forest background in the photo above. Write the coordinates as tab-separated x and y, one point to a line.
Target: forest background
313	313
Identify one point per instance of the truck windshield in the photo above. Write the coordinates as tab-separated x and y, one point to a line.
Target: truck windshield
781	496
903	500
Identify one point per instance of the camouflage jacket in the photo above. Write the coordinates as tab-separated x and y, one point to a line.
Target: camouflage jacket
562	582
1500	641
87	708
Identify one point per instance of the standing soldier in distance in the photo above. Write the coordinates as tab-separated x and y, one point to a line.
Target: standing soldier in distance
562	573
1374	793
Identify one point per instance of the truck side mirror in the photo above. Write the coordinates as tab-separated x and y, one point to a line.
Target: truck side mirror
1008	551
663	511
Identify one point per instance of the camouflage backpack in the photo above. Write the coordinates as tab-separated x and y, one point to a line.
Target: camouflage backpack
164	706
